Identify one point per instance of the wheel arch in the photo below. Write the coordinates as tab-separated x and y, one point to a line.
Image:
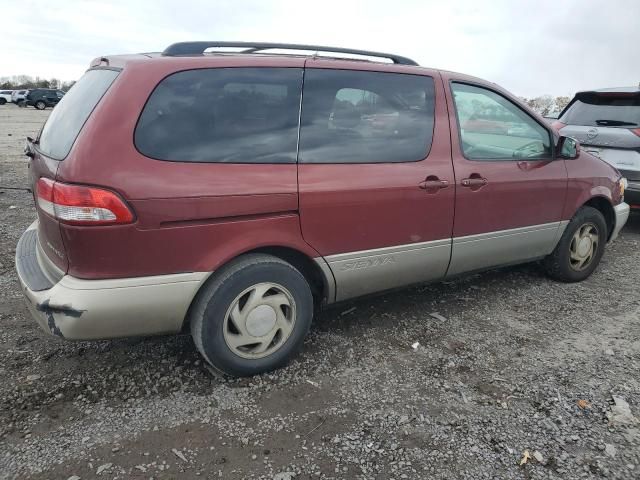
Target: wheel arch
316	272
604	206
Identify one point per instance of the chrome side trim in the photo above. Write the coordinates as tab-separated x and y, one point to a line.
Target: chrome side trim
329	281
504	247
368	271
622	214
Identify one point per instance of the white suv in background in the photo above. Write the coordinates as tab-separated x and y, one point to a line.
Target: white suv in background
5	96
606	122
18	96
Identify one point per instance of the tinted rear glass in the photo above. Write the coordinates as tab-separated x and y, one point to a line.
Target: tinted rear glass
70	114
230	115
365	117
604	111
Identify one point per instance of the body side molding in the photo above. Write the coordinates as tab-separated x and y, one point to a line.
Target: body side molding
504	247
368	271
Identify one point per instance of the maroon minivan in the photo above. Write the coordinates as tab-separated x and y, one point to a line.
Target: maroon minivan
233	193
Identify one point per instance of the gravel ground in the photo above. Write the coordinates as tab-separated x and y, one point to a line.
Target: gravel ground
510	367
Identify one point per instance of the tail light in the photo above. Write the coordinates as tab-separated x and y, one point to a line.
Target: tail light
558	125
81	205
636	131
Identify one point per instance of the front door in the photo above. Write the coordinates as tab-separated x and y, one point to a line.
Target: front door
375	175
510	192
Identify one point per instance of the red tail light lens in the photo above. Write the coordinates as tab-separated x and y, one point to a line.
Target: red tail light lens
558	125
82	205
636	131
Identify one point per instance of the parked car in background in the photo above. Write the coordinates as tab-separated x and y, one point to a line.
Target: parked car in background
607	124
42	98
5	96
18	96
219	194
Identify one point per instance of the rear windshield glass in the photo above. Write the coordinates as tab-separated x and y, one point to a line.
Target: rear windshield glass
223	115
604	111
68	117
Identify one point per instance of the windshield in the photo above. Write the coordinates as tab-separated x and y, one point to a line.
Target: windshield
68	117
604	111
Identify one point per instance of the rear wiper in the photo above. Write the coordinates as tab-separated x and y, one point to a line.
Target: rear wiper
616	123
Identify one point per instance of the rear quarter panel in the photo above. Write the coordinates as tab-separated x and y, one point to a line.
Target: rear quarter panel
189	216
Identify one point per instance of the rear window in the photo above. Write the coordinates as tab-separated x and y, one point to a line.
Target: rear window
68	117
365	117
604	111
223	115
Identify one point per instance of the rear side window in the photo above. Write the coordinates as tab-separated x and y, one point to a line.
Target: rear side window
227	115
604	111
365	117
66	120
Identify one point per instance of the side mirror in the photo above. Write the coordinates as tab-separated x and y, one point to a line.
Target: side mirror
568	147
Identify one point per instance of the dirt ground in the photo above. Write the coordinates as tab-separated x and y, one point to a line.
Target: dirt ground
511	362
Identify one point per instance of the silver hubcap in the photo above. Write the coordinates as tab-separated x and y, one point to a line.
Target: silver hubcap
259	320
584	246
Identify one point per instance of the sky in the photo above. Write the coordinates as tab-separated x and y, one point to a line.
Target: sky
529	47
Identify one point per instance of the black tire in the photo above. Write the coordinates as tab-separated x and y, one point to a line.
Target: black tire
40	105
559	265
3	100
208	315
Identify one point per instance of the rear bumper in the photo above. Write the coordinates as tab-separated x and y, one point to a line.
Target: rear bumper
622	214
79	309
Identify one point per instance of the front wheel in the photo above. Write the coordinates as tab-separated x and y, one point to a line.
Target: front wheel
40	105
580	248
253	316
3	101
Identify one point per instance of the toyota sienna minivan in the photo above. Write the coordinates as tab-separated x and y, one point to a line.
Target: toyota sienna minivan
233	193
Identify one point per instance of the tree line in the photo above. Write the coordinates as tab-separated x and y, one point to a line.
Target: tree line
546	104
26	82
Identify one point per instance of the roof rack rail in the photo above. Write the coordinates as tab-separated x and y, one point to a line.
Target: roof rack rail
198	48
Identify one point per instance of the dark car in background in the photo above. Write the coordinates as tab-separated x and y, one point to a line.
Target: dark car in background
607	124
42	98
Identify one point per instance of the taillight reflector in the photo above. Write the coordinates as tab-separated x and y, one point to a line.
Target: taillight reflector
81	205
636	131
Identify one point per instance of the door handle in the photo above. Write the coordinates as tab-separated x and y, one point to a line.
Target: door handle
474	182
432	184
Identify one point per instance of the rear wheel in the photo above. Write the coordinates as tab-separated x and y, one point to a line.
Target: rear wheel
40	105
3	101
581	247
253	316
